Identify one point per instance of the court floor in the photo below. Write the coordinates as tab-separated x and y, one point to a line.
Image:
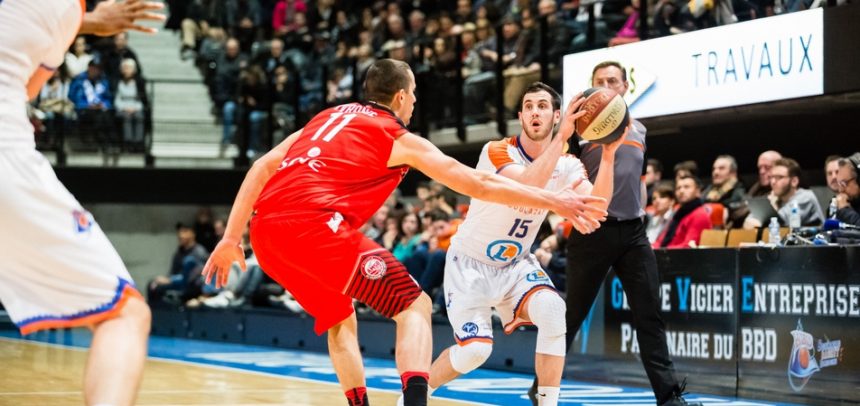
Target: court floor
45	369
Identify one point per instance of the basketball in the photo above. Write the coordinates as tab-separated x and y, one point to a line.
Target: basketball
606	116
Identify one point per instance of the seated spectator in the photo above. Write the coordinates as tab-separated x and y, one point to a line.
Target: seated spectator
376	225
184	279
388	238
848	199
765	162
90	92
831	171
54	102
690	220
117	55
255	102
653	176
409	238
131	104
726	189
663	204
628	33
240	287
785	192
78	58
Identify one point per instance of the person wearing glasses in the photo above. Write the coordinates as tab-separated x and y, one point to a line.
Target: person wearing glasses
848	199
786	192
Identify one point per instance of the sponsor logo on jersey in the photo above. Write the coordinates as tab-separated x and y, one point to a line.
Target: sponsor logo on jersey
503	250
471	329
373	267
334	222
82	220
537	276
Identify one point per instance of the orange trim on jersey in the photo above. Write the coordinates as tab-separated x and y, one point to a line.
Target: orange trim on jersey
83	11
498	152
92	319
634	144
510	327
470	340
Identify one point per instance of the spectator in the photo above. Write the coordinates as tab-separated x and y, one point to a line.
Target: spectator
185	266
690	220
78	59
726	189
478	89
664	210
376	226
408	239
54	102
653	176
243	20
848	199
283	103
831	170
628	33
785	192
240	287
686	169
255	102
388	238
204	229
284	16
131	105
275	59
226	87
90	92
117	55
765	162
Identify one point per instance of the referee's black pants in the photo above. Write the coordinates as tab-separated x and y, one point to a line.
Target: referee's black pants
623	246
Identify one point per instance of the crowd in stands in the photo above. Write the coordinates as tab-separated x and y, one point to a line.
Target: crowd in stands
272	64
97	96
418	230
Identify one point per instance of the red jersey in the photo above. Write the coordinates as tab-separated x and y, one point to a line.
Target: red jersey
339	163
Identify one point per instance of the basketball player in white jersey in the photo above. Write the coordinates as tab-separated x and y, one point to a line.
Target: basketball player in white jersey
489	264
57	268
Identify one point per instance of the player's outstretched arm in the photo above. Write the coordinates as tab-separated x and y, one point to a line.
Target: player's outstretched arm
420	154
112	17
229	249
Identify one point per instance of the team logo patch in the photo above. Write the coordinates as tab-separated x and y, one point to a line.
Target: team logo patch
503	250
82	221
373	267
802	363
537	276
471	329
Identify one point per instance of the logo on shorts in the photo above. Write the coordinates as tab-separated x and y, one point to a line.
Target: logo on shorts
537	276
373	267
471	329
503	250
82	220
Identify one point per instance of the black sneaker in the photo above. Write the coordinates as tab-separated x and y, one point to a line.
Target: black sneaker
677	398
533	393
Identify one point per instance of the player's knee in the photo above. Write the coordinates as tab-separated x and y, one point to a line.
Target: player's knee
466	358
546	311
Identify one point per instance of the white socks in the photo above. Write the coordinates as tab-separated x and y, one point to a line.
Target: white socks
548	395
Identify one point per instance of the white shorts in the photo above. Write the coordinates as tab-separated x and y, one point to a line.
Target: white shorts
57	268
473	288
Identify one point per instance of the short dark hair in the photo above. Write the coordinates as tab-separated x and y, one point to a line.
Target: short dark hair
436	215
384	79
790	164
831	158
689	166
658	166
695	179
606	64
540	86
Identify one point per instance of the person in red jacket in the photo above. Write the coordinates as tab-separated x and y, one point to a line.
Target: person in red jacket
691	218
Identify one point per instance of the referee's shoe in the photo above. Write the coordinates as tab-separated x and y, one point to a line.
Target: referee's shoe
677	398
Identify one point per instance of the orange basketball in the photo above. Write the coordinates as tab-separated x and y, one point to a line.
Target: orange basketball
606	116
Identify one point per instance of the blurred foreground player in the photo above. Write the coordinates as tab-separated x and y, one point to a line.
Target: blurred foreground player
312	193
59	269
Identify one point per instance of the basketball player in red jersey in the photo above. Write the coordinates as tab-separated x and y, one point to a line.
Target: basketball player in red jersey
59	269
310	195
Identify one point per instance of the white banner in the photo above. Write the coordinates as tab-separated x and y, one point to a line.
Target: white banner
757	61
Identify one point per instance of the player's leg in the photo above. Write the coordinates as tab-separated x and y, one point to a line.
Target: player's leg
109	380
345	356
532	299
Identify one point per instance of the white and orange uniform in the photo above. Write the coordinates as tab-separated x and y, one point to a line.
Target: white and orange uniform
57	268
489	263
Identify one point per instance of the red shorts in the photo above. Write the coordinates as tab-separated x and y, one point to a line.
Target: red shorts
325	269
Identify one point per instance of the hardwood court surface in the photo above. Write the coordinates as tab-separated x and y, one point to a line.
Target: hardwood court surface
40	374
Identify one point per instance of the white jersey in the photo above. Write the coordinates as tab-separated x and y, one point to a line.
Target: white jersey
24	47
497	234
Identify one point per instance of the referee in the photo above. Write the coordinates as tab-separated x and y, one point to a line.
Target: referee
621	243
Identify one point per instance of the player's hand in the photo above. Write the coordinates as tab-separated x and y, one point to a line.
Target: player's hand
568	119
111	17
612	147
585	216
223	256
